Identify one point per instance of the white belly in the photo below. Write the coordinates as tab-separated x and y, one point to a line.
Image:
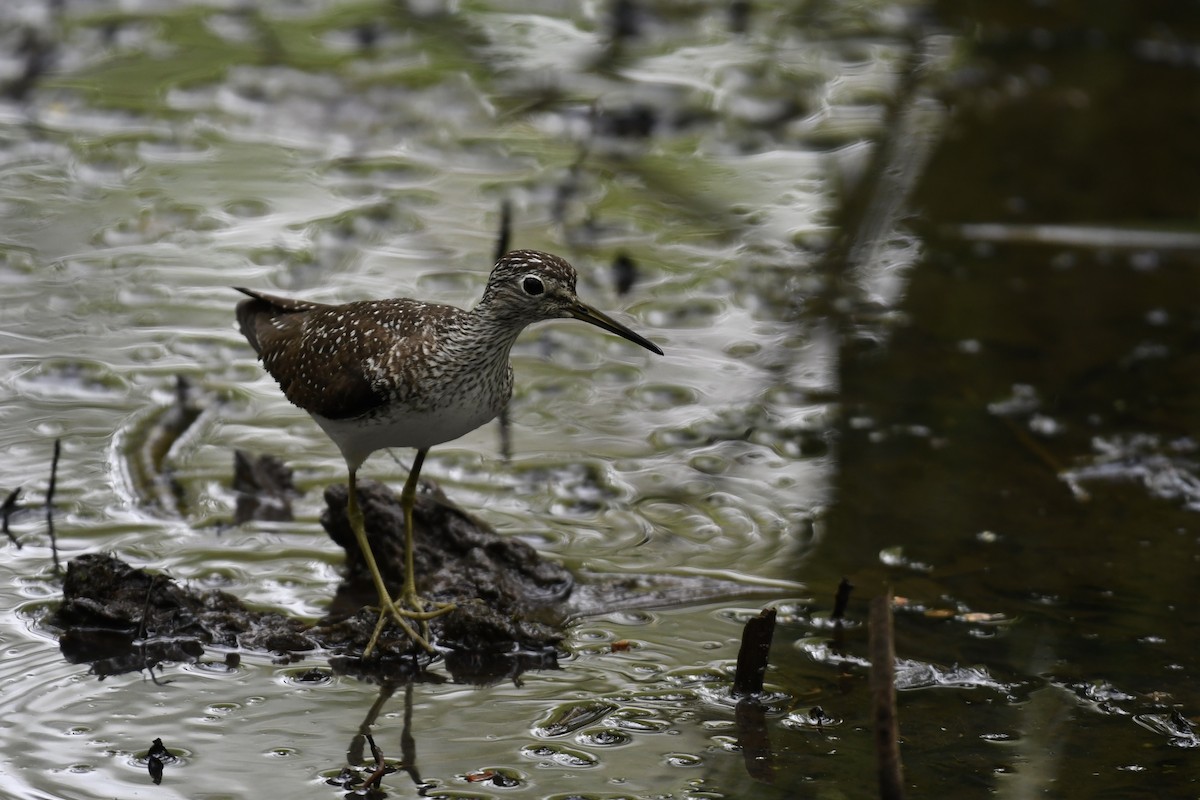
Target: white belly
358	438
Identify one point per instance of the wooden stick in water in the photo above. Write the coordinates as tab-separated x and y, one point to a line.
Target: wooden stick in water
752	656
50	504
883	699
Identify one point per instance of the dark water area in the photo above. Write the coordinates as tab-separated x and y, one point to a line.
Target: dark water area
926	280
1024	440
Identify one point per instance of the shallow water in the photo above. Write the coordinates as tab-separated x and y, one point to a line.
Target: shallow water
995	423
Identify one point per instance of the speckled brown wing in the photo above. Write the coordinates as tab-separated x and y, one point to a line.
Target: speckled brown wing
326	357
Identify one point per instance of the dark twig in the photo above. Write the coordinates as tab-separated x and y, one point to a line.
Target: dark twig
50	504
503	242
883	699
148	662
504	235
752	657
6	511
141	634
751	715
842	598
150	670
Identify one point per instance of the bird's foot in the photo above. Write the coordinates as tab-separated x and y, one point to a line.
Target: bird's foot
412	600
391	611
405	609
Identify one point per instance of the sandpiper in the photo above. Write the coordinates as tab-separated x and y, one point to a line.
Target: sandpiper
406	373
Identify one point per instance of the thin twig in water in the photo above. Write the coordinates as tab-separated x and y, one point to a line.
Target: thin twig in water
146	608
504	235
50	504
141	636
503	242
150	670
883	699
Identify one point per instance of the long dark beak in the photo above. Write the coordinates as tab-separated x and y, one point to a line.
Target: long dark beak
582	311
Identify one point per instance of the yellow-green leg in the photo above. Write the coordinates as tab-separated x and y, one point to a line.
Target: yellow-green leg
386	607
409	596
397	609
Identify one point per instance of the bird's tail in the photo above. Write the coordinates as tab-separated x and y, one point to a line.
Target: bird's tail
262	307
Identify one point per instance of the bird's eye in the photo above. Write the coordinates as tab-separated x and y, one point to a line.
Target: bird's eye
532	285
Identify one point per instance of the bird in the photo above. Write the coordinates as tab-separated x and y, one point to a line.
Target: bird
402	372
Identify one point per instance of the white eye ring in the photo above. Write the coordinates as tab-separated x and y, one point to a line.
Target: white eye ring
533	285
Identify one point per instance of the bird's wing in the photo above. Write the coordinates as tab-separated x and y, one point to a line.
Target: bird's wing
338	361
